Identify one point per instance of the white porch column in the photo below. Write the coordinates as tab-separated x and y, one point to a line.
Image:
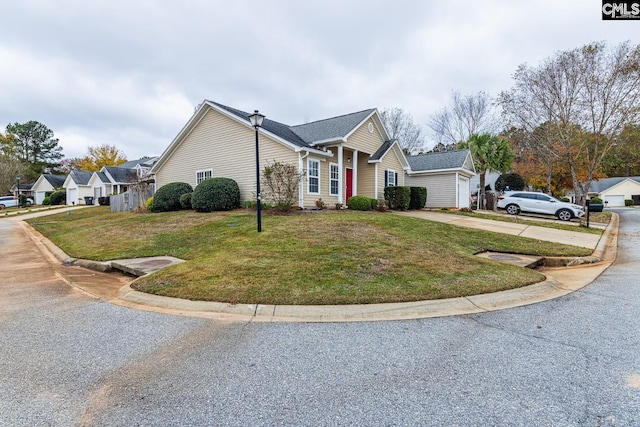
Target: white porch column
340	174
375	174
354	184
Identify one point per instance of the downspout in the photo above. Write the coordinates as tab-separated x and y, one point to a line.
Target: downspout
301	182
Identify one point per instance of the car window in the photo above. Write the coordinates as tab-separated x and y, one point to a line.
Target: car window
520	195
543	197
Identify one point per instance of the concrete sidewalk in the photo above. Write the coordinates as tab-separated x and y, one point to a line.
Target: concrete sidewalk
560	281
574	238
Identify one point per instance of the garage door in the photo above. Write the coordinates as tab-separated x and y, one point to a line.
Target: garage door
613	201
40	197
72	196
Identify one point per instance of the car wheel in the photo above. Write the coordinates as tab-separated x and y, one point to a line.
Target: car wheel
512	209
564	215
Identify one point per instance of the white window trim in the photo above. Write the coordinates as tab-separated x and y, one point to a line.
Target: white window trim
203	172
309	176
336	179
395	176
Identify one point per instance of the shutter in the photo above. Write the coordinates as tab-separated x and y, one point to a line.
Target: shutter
397	183
386	178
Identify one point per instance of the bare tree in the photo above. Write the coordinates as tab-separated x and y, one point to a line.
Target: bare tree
467	115
401	127
585	96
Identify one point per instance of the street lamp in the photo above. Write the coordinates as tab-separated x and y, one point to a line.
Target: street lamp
256	121
18	187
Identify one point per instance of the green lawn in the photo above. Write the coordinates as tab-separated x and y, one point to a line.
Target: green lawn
310	258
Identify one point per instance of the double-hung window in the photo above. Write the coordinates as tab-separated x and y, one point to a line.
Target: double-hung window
390	178
334	172
313	176
203	174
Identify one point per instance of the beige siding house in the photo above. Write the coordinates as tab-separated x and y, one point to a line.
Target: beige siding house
446	175
77	186
338	157
614	191
44	184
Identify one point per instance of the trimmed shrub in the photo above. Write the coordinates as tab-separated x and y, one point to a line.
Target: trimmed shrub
374	203
418	197
185	201
359	203
514	181
397	197
58	198
595	201
565	199
149	204
46	201
216	194
167	198
23	200
628	202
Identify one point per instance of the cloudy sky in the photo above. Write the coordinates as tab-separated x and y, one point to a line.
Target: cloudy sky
130	73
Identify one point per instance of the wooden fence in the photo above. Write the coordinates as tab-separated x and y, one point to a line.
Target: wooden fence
129	200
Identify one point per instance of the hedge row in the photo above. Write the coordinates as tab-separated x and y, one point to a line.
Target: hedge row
212	194
399	198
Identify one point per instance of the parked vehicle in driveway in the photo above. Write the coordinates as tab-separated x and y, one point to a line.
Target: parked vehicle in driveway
528	201
11	201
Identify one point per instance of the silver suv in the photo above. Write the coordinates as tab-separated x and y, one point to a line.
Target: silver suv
526	201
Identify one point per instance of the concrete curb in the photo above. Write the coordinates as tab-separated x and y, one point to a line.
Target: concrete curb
543	291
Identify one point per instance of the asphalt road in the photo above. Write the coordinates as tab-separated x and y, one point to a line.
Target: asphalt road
68	359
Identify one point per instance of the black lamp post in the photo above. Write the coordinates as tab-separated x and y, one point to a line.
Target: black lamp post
256	121
18	187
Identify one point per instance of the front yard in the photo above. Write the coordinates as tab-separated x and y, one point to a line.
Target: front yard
310	258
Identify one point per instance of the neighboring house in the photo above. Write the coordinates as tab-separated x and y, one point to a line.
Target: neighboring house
446	175
111	180
339	157
24	189
614	191
46	183
77	186
490	179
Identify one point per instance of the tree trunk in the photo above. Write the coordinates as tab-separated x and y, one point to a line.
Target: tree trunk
481	200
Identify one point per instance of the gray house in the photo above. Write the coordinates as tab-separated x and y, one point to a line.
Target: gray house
446	175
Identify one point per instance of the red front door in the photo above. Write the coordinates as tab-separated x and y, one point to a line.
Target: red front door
349	184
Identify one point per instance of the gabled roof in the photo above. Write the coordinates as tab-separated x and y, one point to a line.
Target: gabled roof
145	162
606	183
276	128
80	177
56	181
332	129
118	174
378	155
445	160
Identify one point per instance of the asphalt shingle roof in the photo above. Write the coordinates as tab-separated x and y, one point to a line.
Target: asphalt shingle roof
438	161
332	128
81	177
143	161
56	181
382	150
307	134
604	184
120	174
276	128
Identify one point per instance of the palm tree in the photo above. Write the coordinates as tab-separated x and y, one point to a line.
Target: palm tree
489	152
